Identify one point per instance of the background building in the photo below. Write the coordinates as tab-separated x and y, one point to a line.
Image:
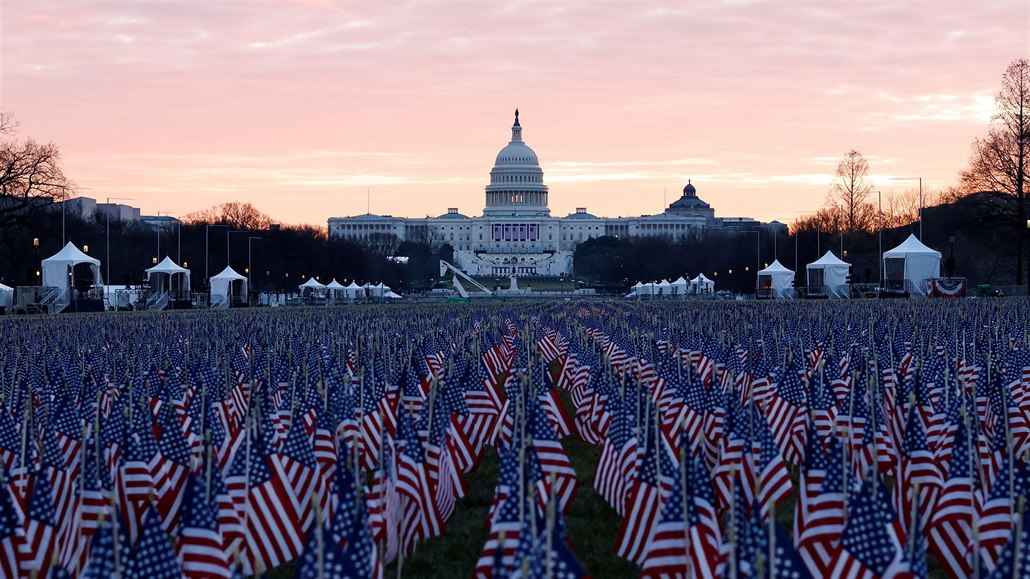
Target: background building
517	235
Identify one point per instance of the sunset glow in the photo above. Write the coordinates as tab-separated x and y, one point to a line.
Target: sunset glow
317	109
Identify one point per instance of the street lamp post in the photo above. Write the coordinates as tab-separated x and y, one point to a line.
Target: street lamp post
920	179
758	255
108	212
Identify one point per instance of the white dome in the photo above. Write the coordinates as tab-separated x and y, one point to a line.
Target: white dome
516	181
516	153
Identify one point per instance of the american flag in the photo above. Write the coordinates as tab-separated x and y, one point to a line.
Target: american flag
788	414
916	467
35	553
11	534
153	556
644	499
200	547
824	521
324	558
868	549
951	523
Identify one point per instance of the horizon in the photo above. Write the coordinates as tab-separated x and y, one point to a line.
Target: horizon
325	110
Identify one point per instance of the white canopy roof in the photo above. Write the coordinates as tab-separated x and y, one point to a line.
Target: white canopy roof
680	281
829	258
701	279
311	283
55	267
354	286
6	288
911	246
335	285
167	266
6	296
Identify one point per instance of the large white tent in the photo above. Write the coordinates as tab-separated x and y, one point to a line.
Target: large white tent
828	276
910	266
57	268
702	285
312	288
776	281
168	276
222	286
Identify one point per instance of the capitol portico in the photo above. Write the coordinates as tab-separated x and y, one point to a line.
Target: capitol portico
516	235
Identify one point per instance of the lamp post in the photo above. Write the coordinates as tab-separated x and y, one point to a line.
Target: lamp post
35	245
758	255
920	179
108	212
207	228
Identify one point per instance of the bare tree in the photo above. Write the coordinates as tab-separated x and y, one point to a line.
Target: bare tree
851	188
998	162
30	175
234	213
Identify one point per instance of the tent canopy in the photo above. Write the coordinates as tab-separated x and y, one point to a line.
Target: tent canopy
57	266
311	283
6	296
911	265
335	285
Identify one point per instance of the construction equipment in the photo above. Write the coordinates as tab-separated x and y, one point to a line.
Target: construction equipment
457	273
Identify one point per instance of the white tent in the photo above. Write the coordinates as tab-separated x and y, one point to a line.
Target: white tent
702	284
776	281
391	296
57	269
828	276
336	289
663	287
222	287
312	288
162	278
679	287
6	296
910	266
376	291
355	291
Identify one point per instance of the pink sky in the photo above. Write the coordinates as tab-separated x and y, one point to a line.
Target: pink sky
301	107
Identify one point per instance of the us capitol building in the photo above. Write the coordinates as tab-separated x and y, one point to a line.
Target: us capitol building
517	235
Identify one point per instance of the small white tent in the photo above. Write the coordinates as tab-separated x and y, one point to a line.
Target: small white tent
57	269
355	291
910	266
828	276
167	276
702	284
312	288
664	287
376	291
6	296
679	287
222	287
775	282
336	290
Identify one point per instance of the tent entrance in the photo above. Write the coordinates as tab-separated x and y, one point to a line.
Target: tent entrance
894	273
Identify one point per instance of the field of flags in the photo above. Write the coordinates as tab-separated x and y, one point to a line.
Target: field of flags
893	437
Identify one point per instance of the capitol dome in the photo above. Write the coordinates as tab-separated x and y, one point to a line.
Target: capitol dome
516	181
